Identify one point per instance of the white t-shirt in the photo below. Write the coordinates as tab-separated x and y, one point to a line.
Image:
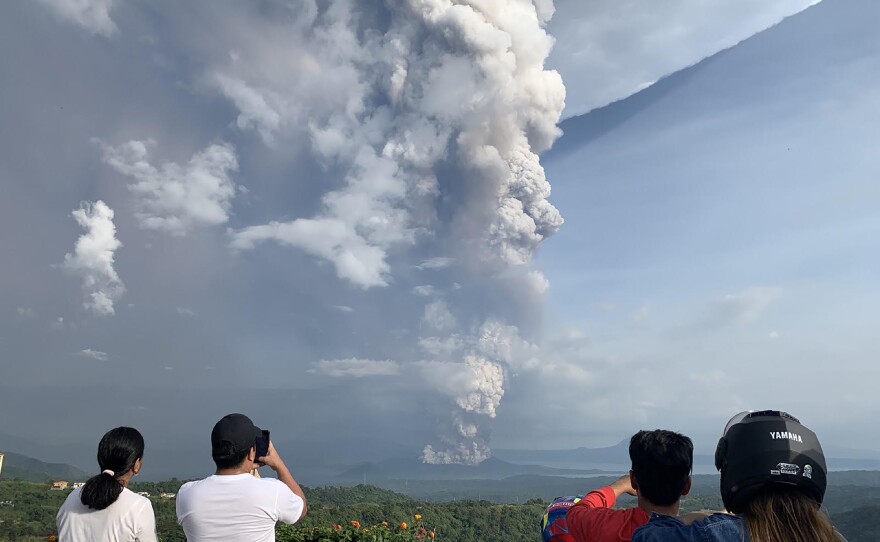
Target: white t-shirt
129	519
235	508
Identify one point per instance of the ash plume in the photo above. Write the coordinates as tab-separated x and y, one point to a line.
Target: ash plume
431	115
436	122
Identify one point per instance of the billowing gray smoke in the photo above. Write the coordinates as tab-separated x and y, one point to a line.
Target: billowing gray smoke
452	85
434	110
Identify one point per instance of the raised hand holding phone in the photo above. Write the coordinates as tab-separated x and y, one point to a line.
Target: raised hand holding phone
271	459
261	445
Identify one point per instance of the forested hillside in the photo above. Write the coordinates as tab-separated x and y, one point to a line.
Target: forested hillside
20	467
362	513
861	524
369	514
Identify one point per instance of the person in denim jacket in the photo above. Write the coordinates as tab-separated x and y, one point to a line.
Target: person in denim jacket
691	528
773	479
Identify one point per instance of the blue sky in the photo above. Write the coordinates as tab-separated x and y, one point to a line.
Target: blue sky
725	225
354	224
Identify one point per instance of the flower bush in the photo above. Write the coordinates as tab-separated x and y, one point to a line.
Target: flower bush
355	532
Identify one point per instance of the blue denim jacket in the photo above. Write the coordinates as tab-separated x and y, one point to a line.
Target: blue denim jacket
715	528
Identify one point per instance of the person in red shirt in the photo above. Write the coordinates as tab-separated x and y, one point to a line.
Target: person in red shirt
660	476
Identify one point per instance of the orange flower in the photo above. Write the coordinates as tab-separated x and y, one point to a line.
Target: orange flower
403	525
355	524
431	534
418	516
336	527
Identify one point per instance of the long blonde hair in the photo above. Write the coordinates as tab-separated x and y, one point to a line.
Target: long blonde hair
783	514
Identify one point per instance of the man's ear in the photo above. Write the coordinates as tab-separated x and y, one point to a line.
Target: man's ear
687	487
252	455
633	481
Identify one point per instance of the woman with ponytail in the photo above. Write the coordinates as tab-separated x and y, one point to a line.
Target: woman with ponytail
104	509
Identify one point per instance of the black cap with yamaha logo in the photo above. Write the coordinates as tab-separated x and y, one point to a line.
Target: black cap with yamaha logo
235	430
768	447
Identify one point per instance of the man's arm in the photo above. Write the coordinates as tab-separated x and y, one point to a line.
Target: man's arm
581	519
274	461
605	497
623	485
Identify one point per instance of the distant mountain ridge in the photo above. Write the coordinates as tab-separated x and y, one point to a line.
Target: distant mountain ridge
22	467
414	469
618	455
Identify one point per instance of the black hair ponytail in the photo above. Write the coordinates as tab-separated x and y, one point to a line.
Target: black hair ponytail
118	451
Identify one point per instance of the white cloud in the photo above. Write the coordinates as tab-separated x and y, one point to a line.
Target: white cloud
185	311
344	308
254	111
355	368
537	282
438	262
93	257
545	9
173	198
355	260
93	15
93	354
607	50
425	290
25	312
441	347
437	320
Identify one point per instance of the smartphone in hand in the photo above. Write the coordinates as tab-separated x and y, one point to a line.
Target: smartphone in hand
261	444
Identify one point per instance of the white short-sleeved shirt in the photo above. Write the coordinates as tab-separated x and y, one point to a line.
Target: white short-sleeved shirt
235	508
129	519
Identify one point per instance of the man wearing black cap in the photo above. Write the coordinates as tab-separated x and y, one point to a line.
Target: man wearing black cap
233	505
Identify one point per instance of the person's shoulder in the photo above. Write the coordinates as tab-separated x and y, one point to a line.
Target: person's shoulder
269	484
276	489
75	494
632	511
193	485
721	517
73	499
130	498
244	482
633	516
719	521
663	528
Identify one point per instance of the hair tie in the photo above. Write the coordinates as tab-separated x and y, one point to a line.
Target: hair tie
110	472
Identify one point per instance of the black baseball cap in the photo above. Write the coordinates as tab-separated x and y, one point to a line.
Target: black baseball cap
237	430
